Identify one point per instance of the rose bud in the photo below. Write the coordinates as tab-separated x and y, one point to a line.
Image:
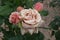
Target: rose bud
19	8
14	18
38	6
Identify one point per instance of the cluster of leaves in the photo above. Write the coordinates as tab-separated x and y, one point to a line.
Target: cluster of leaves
55	3
27	36
14	34
55	25
8	6
44	12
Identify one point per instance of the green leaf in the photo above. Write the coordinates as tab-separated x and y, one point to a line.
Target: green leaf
57	20
17	37
40	36
35	36
35	1
27	36
57	35
5	10
16	2
29	3
8	34
9	24
52	4
44	13
1	20
55	24
55	3
2	8
1	29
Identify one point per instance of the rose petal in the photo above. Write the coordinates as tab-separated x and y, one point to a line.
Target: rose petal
36	30
23	31
29	26
31	31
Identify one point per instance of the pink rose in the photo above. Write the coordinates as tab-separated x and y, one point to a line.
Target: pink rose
38	6
14	17
31	20
19	8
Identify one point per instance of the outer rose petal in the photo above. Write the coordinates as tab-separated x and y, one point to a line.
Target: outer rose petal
38	6
31	31
23	31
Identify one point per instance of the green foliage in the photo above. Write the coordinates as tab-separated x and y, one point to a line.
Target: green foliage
10	36
29	3
55	24
57	35
38	1
1	20
55	3
35	36
17	37
44	13
5	10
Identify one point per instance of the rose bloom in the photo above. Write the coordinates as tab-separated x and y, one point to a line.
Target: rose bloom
38	6
14	17
19	8
31	20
